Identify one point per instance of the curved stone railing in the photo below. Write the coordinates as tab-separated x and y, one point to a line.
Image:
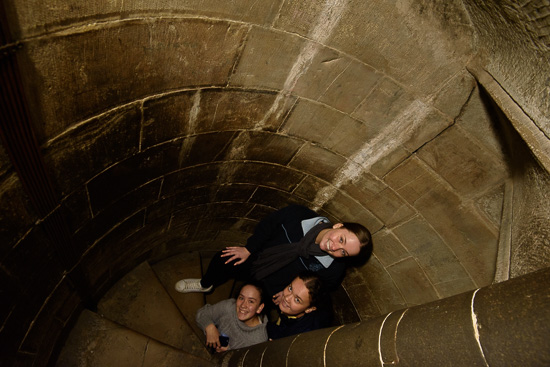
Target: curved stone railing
505	324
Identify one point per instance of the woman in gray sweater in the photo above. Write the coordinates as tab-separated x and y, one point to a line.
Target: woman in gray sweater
239	319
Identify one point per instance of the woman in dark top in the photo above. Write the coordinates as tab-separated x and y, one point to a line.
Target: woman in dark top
301	308
284	244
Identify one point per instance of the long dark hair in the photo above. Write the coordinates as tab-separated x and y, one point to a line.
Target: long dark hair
314	286
365	239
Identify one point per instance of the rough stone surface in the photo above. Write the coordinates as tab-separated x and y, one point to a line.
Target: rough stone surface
170	126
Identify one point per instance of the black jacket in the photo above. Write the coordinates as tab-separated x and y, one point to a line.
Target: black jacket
285	226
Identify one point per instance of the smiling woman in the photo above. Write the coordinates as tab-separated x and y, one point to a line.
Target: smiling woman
239	322
300	307
284	244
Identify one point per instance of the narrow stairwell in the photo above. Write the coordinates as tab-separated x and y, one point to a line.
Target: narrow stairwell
143	321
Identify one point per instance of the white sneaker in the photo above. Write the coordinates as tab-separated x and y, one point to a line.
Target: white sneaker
190	286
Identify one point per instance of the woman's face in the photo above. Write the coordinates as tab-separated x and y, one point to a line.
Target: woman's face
296	300
338	241
248	303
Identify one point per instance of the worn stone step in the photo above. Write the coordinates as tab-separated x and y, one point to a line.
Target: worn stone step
172	269
98	342
140	302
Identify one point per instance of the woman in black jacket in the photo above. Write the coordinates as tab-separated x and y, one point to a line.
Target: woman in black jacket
301	308
284	244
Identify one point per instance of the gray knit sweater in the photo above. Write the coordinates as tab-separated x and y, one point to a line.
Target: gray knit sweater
224	315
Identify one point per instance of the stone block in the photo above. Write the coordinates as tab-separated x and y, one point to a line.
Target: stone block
491	204
383	105
56	14
351	87
116	213
387	247
434	256
454	287
332	128
479	120
16	215
364	303
326	64
167	117
235	192
373	281
128	175
471	239
204	148
264	174
314	160
309	187
234	109
87	71
190	177
463	163
62	304
382	201
263	147
268	59
389	161
422	63
347	209
274	198
306	113
298	16
83	152
412	282
75	209
455	94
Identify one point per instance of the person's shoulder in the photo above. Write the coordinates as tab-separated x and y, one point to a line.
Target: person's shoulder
230	302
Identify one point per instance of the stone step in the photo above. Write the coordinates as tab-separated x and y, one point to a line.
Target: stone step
172	269
98	342
140	302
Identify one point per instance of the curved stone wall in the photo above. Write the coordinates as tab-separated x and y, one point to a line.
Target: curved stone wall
174	126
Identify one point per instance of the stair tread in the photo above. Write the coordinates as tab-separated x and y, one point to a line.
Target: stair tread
140	302
172	269
97	342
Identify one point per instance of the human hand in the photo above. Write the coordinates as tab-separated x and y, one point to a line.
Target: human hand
234	253
212	336
221	349
277	298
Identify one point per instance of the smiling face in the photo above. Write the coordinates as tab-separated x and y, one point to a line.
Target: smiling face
249	304
296	300
338	241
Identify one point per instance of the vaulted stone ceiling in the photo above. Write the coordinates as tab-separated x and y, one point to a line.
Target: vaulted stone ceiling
169	126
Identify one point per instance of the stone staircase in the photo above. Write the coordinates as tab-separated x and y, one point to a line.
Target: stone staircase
143	321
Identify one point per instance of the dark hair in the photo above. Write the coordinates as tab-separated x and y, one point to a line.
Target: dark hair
365	239
362	233
315	287
256	285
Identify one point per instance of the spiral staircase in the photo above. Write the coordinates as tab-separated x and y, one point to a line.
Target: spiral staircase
143	321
